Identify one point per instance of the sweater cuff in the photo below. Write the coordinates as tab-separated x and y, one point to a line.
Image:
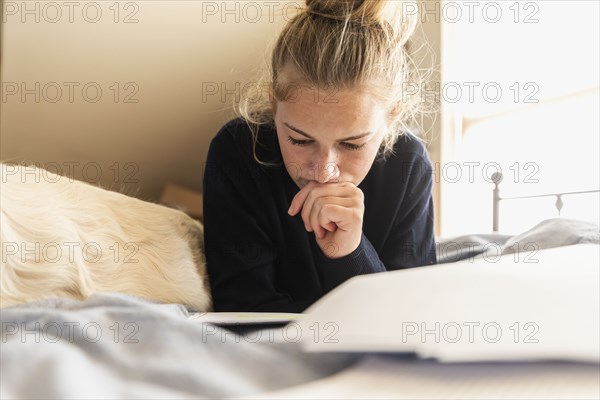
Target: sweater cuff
363	260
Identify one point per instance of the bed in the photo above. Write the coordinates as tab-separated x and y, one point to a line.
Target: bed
122	345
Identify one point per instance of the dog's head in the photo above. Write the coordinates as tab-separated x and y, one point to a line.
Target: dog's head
62	237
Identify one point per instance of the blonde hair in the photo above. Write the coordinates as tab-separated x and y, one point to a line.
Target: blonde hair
342	44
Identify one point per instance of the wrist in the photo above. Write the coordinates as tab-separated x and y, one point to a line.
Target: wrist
334	251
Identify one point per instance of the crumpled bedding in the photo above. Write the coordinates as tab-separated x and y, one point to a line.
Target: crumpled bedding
547	234
119	346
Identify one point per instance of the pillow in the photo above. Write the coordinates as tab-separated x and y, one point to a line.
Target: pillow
65	238
456	248
555	232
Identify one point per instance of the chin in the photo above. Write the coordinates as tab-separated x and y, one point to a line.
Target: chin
301	182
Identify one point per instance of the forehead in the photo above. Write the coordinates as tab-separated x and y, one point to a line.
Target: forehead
337	111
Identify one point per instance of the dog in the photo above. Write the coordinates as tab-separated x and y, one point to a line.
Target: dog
62	237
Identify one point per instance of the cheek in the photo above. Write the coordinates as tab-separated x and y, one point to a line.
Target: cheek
300	163
293	159
293	154
355	163
358	165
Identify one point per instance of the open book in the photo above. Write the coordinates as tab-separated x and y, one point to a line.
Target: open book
542	305
245	318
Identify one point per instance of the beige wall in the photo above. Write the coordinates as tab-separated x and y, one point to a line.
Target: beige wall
165	58
429	38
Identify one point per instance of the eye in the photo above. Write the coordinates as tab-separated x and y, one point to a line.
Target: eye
297	142
352	146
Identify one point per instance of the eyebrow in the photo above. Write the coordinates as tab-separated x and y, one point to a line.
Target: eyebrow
301	132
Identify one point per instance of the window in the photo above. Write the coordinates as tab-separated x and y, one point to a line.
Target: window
520	95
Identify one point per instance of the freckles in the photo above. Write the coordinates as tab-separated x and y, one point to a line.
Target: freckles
361	164
294	170
294	162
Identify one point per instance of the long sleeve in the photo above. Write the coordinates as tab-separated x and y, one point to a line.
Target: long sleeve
241	256
411	241
363	260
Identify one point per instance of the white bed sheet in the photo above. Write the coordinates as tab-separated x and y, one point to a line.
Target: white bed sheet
394	377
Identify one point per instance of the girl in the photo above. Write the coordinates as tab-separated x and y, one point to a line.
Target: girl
320	180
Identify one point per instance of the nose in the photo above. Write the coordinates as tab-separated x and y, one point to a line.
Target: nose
327	168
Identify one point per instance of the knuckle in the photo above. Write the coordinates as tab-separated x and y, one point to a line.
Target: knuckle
320	202
360	194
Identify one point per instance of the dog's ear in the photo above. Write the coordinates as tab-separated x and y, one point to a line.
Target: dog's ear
194	229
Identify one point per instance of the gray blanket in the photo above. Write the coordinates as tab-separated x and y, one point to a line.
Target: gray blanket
118	346
547	234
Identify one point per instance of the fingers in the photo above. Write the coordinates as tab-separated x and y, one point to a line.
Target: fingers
342	217
313	217
318	213
325	220
300	198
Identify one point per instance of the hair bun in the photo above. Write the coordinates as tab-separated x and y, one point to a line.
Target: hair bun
387	13
334	9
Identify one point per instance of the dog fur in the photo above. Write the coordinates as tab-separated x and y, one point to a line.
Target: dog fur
65	238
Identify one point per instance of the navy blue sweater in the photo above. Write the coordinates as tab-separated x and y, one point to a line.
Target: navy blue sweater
261	259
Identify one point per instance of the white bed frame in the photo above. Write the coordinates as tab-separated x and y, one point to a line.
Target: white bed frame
497	178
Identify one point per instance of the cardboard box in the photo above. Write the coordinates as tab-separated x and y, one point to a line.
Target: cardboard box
182	198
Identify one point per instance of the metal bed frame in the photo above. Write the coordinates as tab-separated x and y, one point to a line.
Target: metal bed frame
497	178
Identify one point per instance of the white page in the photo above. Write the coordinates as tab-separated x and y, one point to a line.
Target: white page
544	306
244	318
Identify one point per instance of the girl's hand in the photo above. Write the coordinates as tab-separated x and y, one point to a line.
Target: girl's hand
334	212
